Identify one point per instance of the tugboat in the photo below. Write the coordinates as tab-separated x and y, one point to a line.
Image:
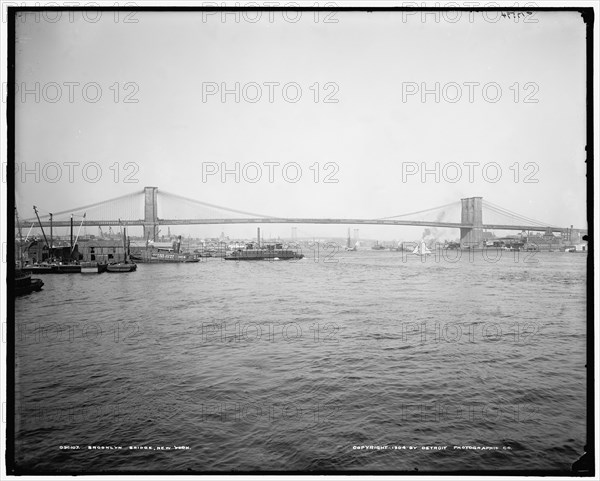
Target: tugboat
399	247
125	266
378	246
24	284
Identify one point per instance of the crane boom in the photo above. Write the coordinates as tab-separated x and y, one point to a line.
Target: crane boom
40	222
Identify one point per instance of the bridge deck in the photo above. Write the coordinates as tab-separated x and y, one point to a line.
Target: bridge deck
275	220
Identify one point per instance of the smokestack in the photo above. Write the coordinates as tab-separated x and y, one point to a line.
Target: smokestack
258	236
177	244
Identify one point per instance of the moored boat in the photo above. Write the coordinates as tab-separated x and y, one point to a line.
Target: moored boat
91	268
121	267
68	268
24	284
126	265
43	268
53	268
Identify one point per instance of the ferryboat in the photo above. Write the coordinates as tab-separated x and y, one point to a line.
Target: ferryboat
154	255
254	252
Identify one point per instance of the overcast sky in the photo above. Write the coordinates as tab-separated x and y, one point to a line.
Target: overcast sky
372	64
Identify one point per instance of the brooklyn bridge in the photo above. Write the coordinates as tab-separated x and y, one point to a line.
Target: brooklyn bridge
151	208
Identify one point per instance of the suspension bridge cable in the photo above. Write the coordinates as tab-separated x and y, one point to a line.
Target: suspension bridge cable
206	204
517	218
527	220
421	211
502	210
510	213
90	206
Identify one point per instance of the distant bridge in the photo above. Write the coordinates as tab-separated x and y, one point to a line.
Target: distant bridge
125	211
292	220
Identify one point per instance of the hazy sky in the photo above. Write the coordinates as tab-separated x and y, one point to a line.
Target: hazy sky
370	62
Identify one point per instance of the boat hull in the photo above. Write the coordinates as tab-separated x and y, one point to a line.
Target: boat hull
260	255
121	267
53	269
90	270
39	269
69	269
24	284
144	257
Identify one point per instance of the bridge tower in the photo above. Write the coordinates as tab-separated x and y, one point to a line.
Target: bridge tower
472	213
150	213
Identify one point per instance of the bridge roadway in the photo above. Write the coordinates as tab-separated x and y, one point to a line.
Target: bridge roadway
280	220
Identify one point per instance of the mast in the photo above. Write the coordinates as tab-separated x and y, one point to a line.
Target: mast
51	240
20	236
29	232
78	231
72	246
18	225
40	222
125	243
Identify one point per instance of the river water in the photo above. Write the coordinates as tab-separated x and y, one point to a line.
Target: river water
354	361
